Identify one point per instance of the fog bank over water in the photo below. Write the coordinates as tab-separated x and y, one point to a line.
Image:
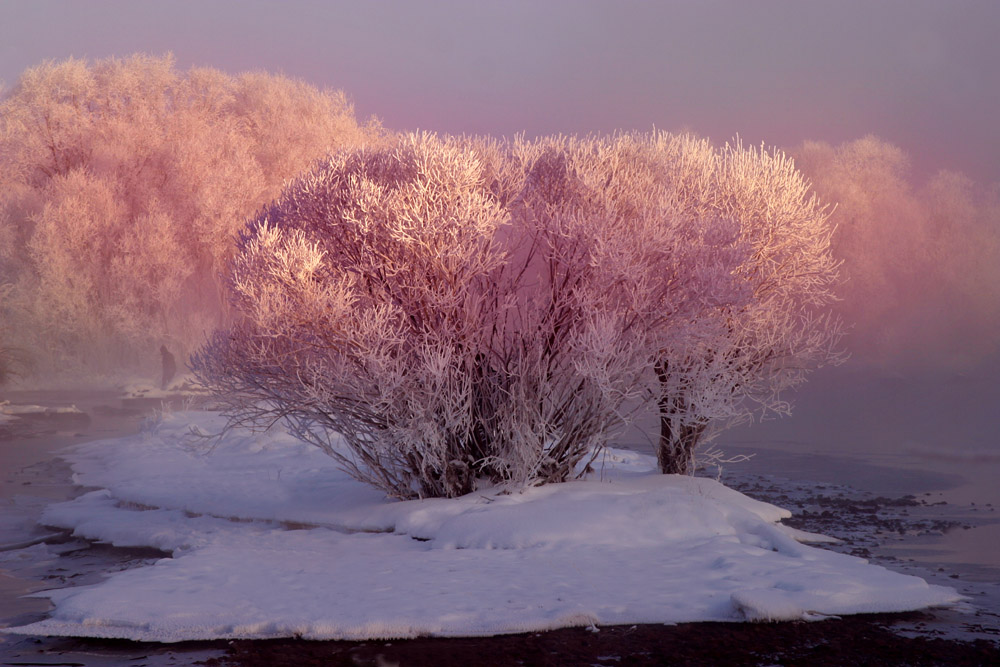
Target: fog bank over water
928	415
921	256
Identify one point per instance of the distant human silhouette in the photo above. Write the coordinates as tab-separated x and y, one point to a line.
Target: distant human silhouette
169	366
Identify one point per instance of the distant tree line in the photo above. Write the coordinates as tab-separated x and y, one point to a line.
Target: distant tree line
122	185
921	261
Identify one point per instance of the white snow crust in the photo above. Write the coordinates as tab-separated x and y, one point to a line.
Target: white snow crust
269	539
185	384
8	410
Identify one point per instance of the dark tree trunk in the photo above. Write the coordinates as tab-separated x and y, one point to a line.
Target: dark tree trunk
675	450
678	438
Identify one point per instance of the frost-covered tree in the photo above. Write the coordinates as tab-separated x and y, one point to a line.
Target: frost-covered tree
445	309
613	222
713	264
769	342
387	311
361	293
920	260
123	184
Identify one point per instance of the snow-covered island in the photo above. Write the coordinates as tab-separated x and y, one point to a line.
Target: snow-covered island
268	538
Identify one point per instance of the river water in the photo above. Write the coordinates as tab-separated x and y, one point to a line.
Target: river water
917	434
934	436
32	476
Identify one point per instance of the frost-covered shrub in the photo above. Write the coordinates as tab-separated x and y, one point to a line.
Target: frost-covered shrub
461	308
387	299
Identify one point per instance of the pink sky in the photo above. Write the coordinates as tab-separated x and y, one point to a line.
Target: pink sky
919	74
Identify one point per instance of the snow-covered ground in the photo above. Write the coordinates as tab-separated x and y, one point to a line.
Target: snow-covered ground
269	539
184	384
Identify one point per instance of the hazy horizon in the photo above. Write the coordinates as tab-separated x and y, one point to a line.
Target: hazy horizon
916	74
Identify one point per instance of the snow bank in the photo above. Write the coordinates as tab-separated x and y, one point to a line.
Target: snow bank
148	388
269	539
7	409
